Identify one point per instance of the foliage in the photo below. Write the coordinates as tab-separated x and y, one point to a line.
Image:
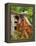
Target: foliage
21	9
17	36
